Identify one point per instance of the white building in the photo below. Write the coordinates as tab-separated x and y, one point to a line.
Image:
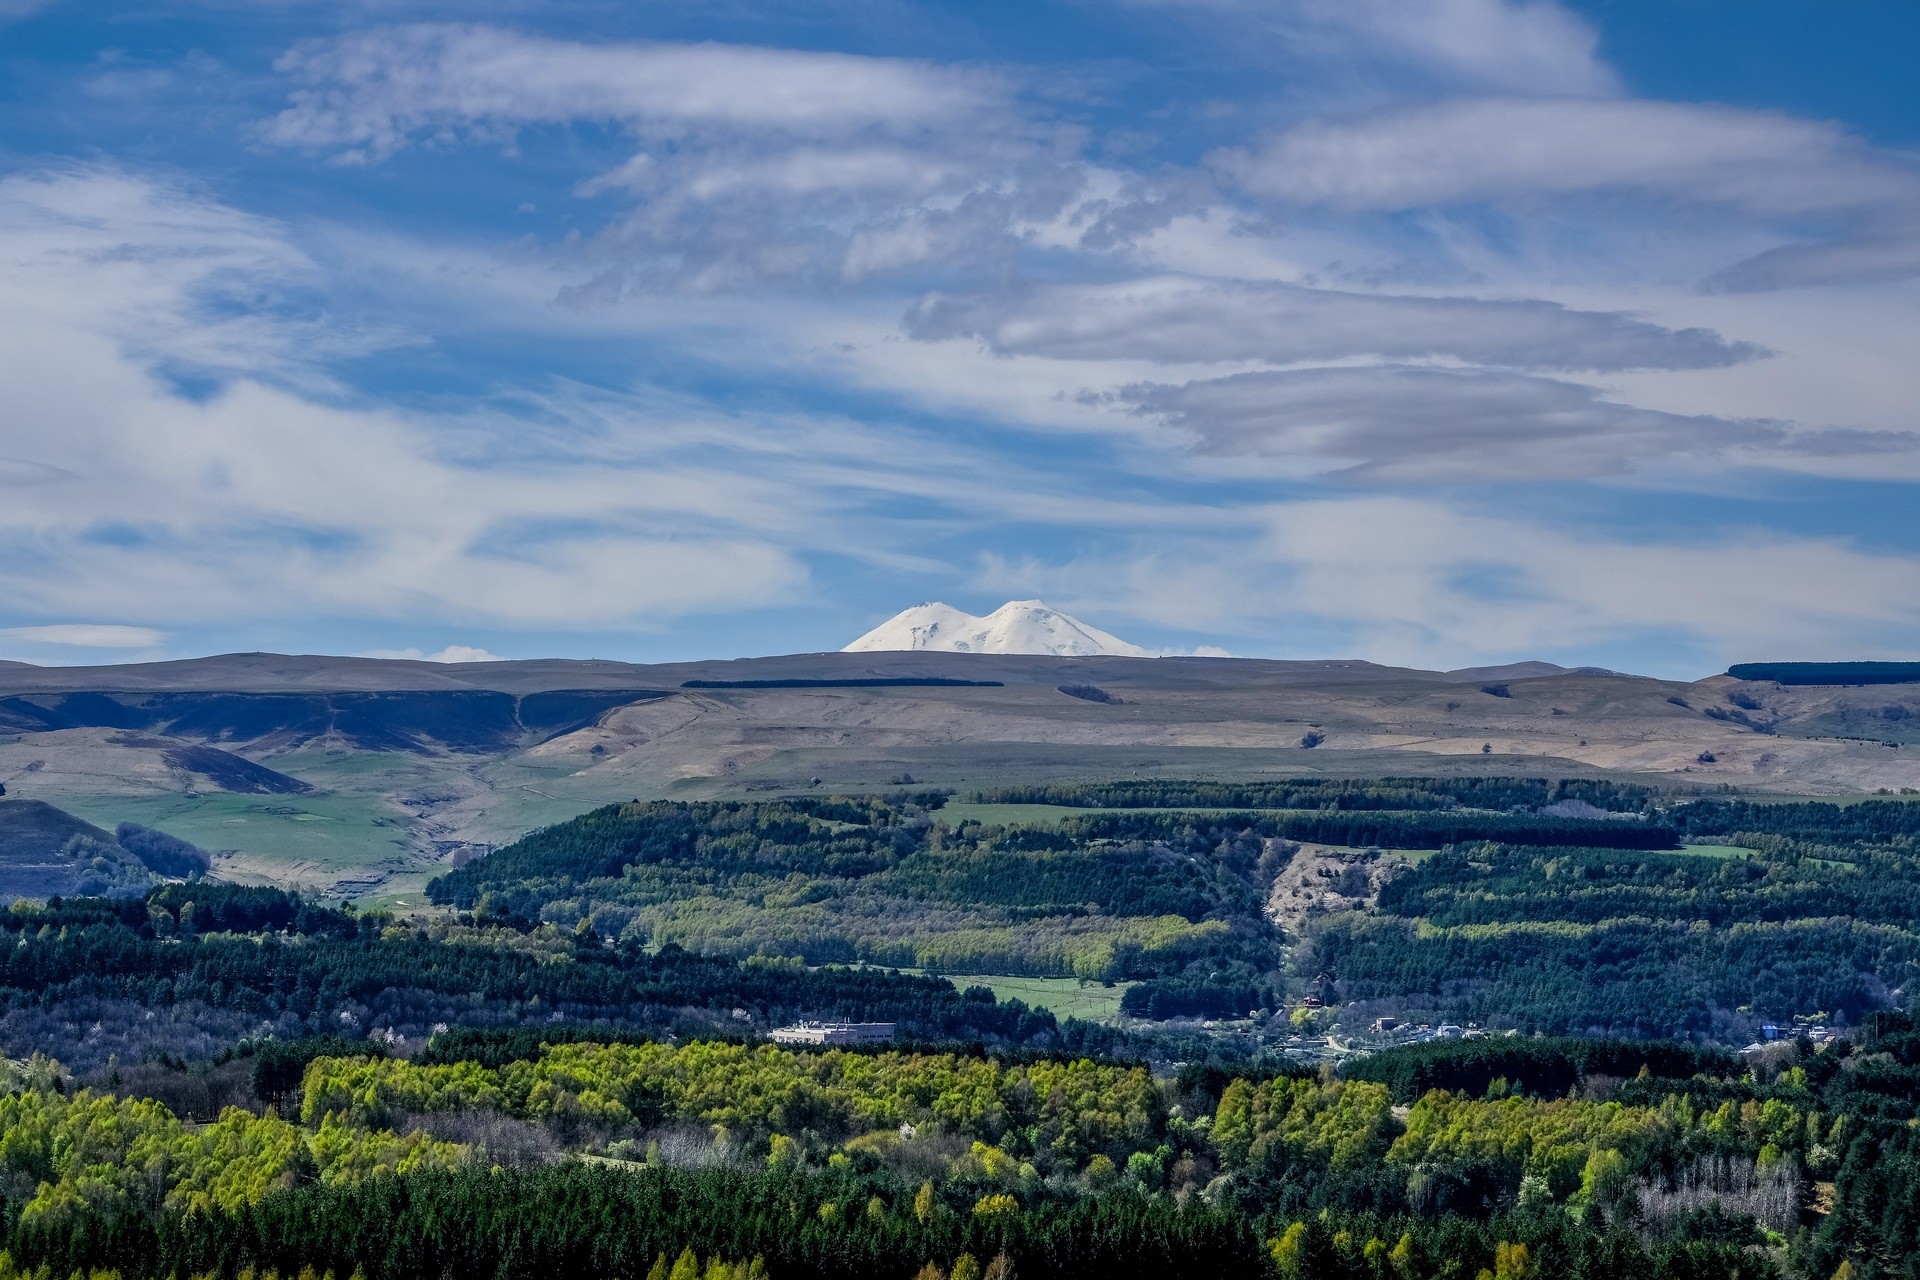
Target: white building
835	1033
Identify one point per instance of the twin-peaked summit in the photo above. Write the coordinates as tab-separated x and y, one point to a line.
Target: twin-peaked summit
1018	626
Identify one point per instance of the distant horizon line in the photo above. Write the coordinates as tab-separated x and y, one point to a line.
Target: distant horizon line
1488	670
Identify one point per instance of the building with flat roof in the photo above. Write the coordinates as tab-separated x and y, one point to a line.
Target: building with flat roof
835	1033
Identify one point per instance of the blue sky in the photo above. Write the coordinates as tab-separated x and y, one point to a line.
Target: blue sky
1435	332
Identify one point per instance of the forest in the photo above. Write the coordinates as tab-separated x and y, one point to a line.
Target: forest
501	1154
868	881
1656	944
567	1066
1500	904
191	968
1837	673
1146	894
1334	793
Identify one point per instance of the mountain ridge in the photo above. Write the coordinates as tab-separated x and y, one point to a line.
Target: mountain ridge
272	673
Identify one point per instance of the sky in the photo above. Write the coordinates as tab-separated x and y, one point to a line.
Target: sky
1431	332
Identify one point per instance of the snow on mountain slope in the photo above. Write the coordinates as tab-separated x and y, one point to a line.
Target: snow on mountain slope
925	626
1018	626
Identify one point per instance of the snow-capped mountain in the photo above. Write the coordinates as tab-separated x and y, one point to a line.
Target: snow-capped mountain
1018	626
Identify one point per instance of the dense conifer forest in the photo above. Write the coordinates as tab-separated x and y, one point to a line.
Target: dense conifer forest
501	1155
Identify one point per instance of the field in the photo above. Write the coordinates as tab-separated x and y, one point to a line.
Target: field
1063	997
310	842
1736	851
1716	850
376	827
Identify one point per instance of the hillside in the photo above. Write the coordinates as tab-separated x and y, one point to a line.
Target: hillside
33	829
1479	900
34	857
350	775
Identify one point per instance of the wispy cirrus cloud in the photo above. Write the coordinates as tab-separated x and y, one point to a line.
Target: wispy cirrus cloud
374	92
154	251
748	164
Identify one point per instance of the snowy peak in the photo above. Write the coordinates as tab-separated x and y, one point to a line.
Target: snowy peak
1018	626
925	626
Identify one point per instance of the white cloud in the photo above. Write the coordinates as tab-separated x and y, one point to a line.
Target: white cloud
1177	320
803	171
375	91
149	250
1195	651
451	653
1507	148
462	653
87	635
